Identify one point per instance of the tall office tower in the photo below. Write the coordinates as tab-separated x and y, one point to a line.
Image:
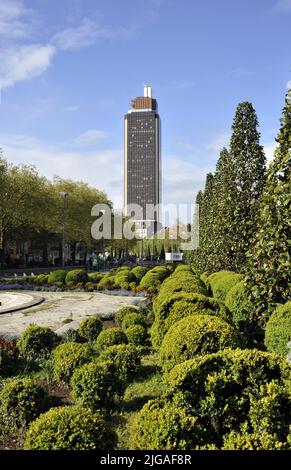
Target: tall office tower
142	161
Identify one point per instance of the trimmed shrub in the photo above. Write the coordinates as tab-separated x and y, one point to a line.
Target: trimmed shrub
139	272
227	389
110	337
125	357
68	357
154	278
22	400
58	276
90	328
252	441
95	277
278	330
136	334
183	268
242	309
36	340
123	278
134	318
77	276
161	425
106	282
41	279
221	282
194	335
204	276
70	428
96	384
120	314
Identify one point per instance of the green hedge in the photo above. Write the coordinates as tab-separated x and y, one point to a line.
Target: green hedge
110	337
70	428
139	272
195	335
106	282
90	328
253	441
134	318
221	282
68	357
126	358
242	309
120	314
136	335
77	276
96	384
278	330
22	400
58	276
154	278
37	341
95	277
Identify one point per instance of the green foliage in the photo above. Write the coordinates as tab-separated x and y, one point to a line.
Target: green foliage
95	385
8	355
110	337
269	256
134	318
57	276
22	400
252	441
68	357
161	425
126	359
183	268
204	276
41	279
278	330
120	314
231	389
153	278
106	282
123	279
70	428
194	335
242	309
139	272
90	328
77	276
221	282
136	334
36	340
95	277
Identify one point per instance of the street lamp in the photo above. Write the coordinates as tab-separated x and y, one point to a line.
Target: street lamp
63	223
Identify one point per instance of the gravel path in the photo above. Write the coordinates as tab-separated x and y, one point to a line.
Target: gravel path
60	306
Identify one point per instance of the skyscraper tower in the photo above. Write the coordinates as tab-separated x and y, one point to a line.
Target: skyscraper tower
142	161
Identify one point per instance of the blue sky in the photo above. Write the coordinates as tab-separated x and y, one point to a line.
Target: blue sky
69	69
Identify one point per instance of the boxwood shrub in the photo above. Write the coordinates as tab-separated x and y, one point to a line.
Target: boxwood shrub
22	400
120	314
136	334
125	357
154	278
68	357
242	309
70	428
90	328
252	441
110	337
95	277
221	282
106	282
58	276
139	272
278	330
134	318
96	385
77	276
195	335
36	340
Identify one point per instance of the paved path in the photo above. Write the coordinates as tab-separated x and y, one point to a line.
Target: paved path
60	306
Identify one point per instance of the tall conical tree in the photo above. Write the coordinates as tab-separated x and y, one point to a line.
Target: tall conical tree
269	258
249	166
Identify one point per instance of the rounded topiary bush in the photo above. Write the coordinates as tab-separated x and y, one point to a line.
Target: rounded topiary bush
120	314
134	318
68	357
36	340
204	276
162	425
136	334
96	384
95	277
57	277
90	328
278	330
154	278
110	337
242	309
106	282
41	279
195	335
126	359
77	276
22	400
70	428
221	282
183	268
232	388
139	272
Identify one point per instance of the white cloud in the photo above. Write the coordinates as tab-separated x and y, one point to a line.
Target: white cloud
90	137
269	149
82	36
24	62
289	85
220	141
12	23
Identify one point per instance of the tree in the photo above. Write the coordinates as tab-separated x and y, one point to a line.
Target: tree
268	269
249	166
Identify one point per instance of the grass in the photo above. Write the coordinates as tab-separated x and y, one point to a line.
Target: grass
147	386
